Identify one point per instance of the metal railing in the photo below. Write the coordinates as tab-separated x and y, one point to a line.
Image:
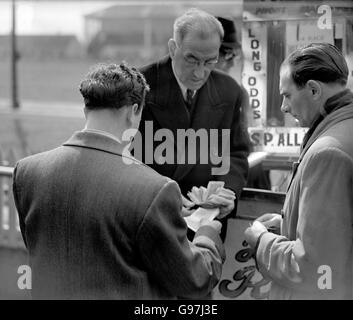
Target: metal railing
10	235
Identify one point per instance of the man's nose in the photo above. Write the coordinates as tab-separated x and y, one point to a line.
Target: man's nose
284	107
199	71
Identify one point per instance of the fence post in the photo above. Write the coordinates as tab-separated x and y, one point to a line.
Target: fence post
2	203
13	217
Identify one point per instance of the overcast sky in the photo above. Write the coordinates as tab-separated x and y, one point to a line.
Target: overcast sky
66	17
49	17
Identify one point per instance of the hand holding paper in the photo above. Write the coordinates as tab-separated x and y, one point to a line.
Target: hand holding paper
202	196
215	224
225	201
187	207
205	215
215	201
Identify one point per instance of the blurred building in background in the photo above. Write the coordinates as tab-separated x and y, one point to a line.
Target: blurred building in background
143	30
123	30
43	47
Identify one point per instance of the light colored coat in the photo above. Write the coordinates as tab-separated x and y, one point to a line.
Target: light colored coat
316	233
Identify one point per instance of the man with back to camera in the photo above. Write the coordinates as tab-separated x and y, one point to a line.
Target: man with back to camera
97	223
311	257
187	93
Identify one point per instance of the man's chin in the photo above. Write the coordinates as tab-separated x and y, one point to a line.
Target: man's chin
302	124
298	122
196	85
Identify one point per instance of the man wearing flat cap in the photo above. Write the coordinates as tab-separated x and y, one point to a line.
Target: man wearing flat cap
229	50
230	47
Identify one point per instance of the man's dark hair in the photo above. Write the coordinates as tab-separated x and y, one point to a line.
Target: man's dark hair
109	86
317	61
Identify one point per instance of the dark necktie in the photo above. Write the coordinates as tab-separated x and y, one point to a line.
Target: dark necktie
189	98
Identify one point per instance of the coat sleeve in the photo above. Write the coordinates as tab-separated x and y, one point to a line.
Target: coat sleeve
183	268
324	231
16	195
239	149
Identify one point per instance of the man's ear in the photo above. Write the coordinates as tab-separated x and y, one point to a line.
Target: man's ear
315	89
136	109
134	112
172	47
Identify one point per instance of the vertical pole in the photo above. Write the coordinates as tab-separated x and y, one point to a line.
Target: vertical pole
2	202
14	57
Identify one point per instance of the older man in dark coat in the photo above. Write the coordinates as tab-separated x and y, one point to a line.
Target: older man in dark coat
188	95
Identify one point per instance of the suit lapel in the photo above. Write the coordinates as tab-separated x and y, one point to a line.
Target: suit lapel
168	107
208	114
209	107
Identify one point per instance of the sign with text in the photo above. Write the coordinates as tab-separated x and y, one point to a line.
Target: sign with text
254	78
277	139
260	11
302	33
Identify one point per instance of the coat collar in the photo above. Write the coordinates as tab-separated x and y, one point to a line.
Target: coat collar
338	108
169	109
168	106
96	141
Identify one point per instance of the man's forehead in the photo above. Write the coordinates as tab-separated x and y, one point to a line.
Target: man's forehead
201	51
285	77
285	71
193	36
